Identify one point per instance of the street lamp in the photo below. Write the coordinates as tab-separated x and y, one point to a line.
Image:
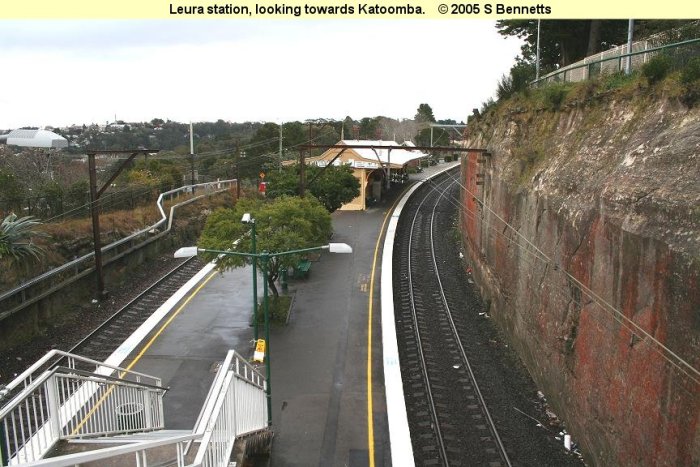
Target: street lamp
264	257
248	219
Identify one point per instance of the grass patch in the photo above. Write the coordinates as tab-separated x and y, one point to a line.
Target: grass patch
619	80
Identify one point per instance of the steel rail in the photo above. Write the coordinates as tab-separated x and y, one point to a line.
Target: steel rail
121	311
419	346
492	425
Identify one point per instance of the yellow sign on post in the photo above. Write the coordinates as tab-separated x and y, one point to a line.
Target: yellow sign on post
262	175
259	354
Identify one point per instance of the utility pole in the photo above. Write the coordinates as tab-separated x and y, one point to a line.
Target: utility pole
95	194
628	62
302	175
94	212
238	170
537	57
279	166
192	155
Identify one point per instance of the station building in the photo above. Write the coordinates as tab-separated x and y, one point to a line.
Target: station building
372	166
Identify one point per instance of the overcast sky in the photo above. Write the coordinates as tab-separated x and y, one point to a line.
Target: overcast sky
63	72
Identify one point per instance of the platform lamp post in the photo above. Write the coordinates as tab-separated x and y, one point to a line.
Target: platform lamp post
247	219
264	257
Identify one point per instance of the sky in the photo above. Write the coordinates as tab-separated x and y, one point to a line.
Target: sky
63	72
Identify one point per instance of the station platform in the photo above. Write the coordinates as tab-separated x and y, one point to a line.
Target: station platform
327	380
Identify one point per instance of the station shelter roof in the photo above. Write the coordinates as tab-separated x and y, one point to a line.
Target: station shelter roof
369	158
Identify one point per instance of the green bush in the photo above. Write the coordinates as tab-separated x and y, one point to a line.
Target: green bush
554	95
278	308
521	74
691	71
448	158
487	106
656	69
505	88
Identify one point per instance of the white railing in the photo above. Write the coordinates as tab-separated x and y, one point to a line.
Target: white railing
66	402
139	450
98	406
235	406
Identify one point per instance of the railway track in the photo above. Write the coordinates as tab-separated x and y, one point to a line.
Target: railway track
108	336
469	399
450	422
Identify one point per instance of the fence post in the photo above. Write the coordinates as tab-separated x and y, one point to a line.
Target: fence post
54	407
147	399
4	445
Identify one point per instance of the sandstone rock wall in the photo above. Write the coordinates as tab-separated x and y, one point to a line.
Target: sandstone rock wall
585	238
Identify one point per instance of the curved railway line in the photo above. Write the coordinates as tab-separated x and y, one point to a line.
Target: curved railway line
460	392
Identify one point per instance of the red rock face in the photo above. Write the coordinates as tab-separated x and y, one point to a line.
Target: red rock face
594	309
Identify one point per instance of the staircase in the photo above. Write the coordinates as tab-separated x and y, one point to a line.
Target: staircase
68	410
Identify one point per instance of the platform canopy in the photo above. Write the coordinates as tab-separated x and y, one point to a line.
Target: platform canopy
397	157
376	156
34	139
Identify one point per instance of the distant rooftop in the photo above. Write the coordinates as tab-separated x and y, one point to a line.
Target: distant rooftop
34	139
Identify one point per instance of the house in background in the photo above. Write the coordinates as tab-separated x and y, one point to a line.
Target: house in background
371	166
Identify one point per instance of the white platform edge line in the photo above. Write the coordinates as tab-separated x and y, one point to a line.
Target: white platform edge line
399	433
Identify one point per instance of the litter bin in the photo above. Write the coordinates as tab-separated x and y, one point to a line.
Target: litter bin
283	279
130	416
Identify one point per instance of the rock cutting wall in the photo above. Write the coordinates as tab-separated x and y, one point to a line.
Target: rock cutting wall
585	239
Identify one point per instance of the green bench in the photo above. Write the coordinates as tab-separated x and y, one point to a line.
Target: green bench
301	270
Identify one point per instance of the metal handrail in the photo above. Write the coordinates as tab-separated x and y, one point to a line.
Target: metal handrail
209	402
241	370
71	264
79	403
584	64
219	416
218	419
111	379
26	376
106	453
67	402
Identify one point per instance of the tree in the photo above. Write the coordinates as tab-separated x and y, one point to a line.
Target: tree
424	114
521	75
369	128
335	187
12	191
424	117
16	237
161	173
563	42
283	224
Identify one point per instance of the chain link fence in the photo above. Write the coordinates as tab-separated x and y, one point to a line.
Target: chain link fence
678	44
